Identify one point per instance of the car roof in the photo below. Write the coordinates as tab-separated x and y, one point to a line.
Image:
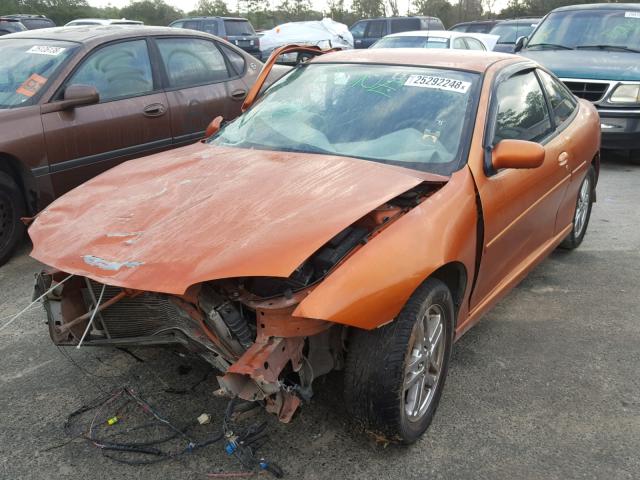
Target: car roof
399	17
96	34
600	6
472	60
210	17
428	33
475	22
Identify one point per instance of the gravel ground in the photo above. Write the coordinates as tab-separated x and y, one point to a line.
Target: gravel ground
546	386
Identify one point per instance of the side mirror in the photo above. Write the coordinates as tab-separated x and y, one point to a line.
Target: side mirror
517	154
74	96
520	44
213	127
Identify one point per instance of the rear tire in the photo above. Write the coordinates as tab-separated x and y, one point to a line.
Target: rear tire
394	375
12	207
582	212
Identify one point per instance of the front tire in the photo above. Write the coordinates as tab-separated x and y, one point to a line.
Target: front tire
582	212
11	209
394	375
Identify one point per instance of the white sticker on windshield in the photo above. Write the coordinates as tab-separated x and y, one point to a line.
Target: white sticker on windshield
438	39
45	50
440	83
632	14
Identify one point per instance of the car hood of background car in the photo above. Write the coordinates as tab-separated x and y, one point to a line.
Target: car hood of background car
168	221
589	64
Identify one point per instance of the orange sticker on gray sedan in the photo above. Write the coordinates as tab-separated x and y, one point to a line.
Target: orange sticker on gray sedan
31	85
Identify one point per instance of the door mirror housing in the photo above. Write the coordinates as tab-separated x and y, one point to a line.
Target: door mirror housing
74	96
520	43
517	154
78	95
213	127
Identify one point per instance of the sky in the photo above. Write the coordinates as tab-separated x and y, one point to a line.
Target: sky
188	5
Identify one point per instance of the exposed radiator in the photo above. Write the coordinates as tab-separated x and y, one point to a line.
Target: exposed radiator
142	315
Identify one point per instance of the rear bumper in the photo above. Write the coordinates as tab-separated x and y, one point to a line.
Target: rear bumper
620	128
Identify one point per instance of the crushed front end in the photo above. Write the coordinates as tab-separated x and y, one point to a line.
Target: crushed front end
262	352
244	327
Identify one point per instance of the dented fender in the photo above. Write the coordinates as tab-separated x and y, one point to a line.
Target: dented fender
370	288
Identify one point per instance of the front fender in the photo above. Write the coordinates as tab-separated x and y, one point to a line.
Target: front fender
370	288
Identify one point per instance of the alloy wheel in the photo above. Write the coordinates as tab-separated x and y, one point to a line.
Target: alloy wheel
424	366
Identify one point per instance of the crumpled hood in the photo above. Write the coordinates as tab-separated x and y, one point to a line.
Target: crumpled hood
589	64
168	221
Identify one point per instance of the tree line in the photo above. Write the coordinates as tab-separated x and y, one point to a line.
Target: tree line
268	13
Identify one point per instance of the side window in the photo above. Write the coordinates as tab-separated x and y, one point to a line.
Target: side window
179	24
459	44
562	101
358	29
210	26
435	24
404	24
522	111
192	61
237	61
377	29
474	44
192	24
117	71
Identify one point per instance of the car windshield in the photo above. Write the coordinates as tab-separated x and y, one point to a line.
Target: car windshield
27	66
510	32
412	42
408	116
601	28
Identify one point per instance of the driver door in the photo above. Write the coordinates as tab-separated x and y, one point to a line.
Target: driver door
519	206
130	120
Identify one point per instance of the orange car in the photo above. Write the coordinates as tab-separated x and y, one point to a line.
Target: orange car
362	214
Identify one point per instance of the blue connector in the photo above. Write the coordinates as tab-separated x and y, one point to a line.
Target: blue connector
230	447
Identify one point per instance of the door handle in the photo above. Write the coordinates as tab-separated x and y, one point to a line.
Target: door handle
563	159
154	110
238	94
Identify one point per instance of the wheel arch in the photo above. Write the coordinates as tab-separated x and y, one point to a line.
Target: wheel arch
454	276
23	177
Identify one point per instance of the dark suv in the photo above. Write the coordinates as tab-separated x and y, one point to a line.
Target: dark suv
32	22
477	26
510	31
595	50
10	25
367	32
238	31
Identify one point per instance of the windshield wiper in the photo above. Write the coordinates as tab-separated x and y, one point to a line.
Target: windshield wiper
550	45
609	47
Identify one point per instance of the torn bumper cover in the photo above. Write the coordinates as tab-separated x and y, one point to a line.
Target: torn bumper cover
262	352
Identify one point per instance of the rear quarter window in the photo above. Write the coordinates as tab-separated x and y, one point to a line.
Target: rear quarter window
405	24
35	23
238	28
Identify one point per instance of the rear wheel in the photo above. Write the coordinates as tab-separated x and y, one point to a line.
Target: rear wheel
394	375
11	209
582	212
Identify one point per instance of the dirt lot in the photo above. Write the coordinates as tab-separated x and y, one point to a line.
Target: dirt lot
546	386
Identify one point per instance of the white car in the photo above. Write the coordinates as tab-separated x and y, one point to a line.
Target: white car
102	21
438	39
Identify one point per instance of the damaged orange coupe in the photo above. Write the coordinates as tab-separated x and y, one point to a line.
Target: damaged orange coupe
362	214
